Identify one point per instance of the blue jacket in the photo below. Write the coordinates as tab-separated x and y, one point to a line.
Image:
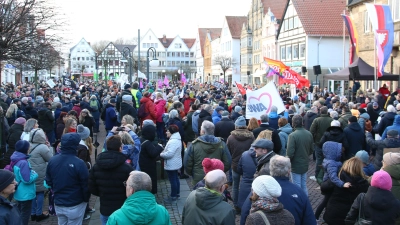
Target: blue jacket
273	120
68	105
284	136
331	164
216	117
195	124
57	113
369	169
68	175
247	168
25	177
111	117
9	213
395	126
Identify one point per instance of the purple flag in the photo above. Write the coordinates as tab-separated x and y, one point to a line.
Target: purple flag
140	84
166	81
160	83
183	78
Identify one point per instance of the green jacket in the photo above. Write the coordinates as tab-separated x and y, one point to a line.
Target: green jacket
344	120
189	134
140	208
394	171
319	126
206	146
204	206
299	147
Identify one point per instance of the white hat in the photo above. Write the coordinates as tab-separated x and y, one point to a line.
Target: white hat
335	123
266	186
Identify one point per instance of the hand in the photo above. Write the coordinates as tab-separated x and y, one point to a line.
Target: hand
47	143
347	185
114	129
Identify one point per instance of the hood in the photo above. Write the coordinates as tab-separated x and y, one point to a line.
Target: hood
273	115
212	142
205	199
287	129
365	116
196	113
392	142
204	113
109	106
39	137
69	143
145	99
175	135
149	133
18	156
242	134
394	171
396	120
125	106
160	101
215	114
379	199
390	115
335	131
332	150
354	126
310	114
110	159
42	111
139	208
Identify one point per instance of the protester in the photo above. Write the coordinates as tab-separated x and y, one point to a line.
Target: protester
368	168
285	129
391	164
224	127
14	135
377	146
355	136
274	133
253	124
9	213
86	119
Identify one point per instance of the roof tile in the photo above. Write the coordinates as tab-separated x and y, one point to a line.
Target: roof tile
235	24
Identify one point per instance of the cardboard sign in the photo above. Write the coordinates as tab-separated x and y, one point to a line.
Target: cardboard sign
51	83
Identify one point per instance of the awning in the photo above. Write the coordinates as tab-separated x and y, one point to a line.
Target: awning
87	74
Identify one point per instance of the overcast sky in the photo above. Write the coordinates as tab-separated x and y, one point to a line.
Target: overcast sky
108	20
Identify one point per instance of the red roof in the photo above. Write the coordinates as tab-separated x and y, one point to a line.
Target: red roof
277	7
214	33
189	42
321	17
235	24
166	42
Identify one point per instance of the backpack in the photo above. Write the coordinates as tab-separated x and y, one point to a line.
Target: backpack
10	167
165	118
142	111
93	104
367	125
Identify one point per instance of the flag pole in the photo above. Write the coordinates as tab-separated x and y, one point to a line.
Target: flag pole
344	40
375	78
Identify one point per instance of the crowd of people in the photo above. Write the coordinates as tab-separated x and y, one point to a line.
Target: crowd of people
201	132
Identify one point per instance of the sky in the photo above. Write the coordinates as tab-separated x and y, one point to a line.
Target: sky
97	20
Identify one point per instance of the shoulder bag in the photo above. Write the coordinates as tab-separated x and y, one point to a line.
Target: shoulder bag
361	220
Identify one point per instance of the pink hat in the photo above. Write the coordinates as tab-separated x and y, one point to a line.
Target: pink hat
20	120
212	164
382	180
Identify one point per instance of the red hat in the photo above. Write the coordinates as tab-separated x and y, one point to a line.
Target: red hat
363	106
212	164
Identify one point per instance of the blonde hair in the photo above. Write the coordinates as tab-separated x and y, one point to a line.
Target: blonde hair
89	144
81	118
126	138
11	110
354	166
128	119
253	124
68	124
265	134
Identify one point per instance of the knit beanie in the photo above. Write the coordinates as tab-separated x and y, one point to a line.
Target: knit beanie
22	146
266	186
148	122
363	155
212	164
382	180
127	98
335	123
83	131
353	119
20	120
238	108
6	178
391	158
240	122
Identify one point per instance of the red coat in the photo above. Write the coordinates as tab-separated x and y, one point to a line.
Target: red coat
150	109
160	109
385	92
186	104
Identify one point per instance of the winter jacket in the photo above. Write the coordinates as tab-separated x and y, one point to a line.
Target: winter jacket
59	129
140	208
187	127
362	119
119	99
206	146
379	206
216	117
14	136
160	109
340	202
39	157
46	119
331	164
246	168
275	137
25	177
335	134
83	153
395	126
319	126
273	120
29	110
299	148
372	113
172	153
239	141
275	215
369	170
204	115
111	117
263	163
77	109
204	206
9	213
387	120
127	109
344	119
186	103
178	122
68	175
356	138
284	136
308	119
377	147
89	123
149	109
106	180
235	115
224	128
394	172
195	122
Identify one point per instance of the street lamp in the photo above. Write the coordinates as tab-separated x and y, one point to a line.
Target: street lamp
126	54
209	78
148	60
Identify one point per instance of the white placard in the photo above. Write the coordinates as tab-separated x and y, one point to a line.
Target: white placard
51	83
259	102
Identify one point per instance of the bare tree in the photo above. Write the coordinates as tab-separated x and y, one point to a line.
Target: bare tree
99	46
224	62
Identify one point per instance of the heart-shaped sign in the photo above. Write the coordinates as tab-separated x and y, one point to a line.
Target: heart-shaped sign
259	100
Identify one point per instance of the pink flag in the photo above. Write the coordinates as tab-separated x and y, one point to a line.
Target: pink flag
140	84
183	78
166	81
380	57
160	83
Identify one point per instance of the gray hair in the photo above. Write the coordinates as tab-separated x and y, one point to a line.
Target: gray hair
234	101
208	108
279	166
324	110
274	109
334	114
297	121
264	118
173	113
391	108
208	127
316	103
314	109
139	181
29	125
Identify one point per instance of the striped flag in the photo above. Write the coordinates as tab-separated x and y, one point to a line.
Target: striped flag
353	36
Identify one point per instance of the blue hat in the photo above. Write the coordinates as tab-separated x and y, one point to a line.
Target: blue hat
22	146
240	122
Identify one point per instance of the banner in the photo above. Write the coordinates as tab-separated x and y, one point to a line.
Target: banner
141	75
69	83
241	88
51	83
166	81
277	66
291	77
259	102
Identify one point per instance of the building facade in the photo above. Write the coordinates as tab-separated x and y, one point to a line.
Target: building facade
82	59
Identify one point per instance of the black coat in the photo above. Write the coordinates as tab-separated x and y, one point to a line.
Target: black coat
14	135
31	111
204	115
46	119
224	128
308	119
335	134
387	120
356	138
106	180
149	154
59	129
373	115
340	202
9	213
127	109
275	136
379	206
119	99
89	123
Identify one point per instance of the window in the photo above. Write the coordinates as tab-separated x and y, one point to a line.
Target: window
91	58
79	50
367	23
173	54
302	50
155	45
87	58
249	60
295	51
243	60
289	52
250	41
73	59
178	45
186	54
283	53
286	25
395	7
191	54
295	22
291	23
178	54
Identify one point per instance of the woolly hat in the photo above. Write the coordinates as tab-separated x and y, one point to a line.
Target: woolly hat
392	133
64	109
127	86
240	122
212	164
113	100
238	108
225	114
6	178
335	123
20	120
219	108
363	155
22	146
375	104
382	180
83	131
127	98
362	110
391	158
266	186
56	99
353	119
148	122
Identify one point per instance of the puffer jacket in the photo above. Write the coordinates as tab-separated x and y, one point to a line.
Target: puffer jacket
284	136
387	120
40	155
334	134
331	164
308	119
149	109
395	126
246	167
362	118
377	147
25	177
319	126
9	213
172	153
160	109
239	141
206	146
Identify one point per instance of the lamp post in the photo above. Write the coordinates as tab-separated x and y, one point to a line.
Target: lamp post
148	60
126	54
209	78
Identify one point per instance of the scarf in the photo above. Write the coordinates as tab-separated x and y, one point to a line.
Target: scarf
268	204
72	130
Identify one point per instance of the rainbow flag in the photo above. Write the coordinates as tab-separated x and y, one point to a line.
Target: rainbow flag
276	65
353	36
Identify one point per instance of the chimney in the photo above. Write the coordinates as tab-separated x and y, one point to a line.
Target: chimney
208	31
164	39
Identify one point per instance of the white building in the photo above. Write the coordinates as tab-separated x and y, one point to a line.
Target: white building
200	41
82	59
